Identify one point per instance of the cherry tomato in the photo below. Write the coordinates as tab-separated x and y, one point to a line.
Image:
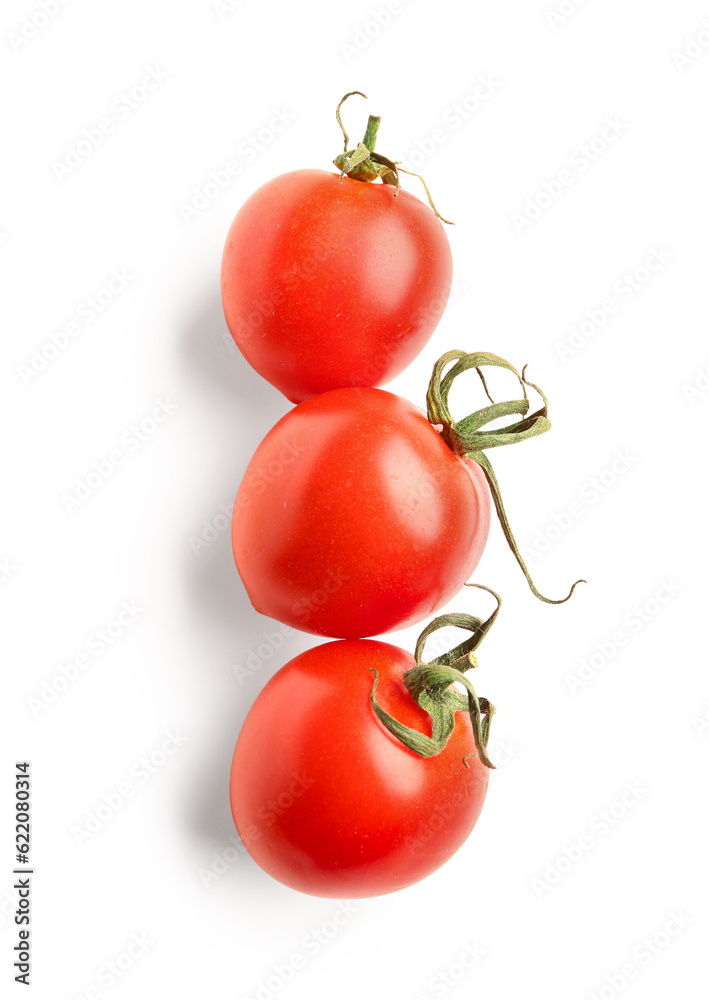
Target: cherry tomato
329	802
354	518
328	284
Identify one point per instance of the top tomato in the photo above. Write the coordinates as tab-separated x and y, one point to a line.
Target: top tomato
331	281
327	285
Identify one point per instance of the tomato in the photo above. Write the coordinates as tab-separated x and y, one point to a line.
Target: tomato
327	800
357	515
328	284
355	518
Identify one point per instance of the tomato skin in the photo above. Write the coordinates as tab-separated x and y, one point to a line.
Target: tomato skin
326	800
354	518
326	285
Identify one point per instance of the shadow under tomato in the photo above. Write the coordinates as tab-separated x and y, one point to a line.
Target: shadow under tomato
242	649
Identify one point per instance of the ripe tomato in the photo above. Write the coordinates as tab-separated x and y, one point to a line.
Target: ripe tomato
355	518
328	284
327	800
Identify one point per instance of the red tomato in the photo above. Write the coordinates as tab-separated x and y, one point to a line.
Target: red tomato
326	800
354	518
326	285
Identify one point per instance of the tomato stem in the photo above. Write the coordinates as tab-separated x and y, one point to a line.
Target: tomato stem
339	118
370	136
429	684
467	439
363	164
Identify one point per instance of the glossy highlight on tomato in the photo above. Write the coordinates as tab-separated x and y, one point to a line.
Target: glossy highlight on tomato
329	802
354	518
330	282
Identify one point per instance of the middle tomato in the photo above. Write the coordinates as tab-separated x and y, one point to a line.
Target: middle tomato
355	518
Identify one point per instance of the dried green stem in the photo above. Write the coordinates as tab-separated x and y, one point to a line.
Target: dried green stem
468	439
363	164
429	684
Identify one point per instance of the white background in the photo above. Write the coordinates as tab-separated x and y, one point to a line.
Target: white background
547	927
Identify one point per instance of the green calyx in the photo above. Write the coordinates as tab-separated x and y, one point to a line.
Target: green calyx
363	164
429	684
468	439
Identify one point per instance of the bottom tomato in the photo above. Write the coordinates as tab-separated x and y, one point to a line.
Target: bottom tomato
327	800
